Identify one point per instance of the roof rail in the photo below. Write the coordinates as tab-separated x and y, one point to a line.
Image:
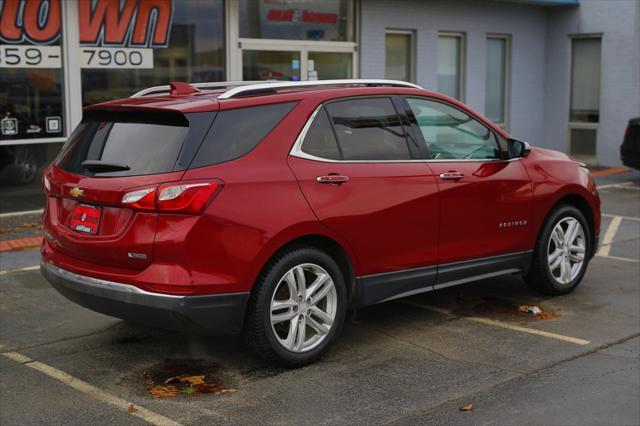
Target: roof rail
270	87
208	85
244	88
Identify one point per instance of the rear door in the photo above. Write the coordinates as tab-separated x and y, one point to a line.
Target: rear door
111	153
359	169
486	200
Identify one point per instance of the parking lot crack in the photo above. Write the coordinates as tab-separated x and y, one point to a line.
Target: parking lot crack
439	354
519	376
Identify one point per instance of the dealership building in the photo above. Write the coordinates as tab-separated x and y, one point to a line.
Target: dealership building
563	74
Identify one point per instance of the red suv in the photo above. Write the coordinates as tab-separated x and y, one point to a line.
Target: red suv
271	209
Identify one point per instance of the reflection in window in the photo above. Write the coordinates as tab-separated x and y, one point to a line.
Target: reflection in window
194	52
31	78
450	65
368	129
324	20
451	133
270	65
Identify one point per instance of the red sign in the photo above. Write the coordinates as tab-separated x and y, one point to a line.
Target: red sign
128	23
85	219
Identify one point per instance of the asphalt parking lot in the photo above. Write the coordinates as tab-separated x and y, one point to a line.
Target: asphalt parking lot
412	361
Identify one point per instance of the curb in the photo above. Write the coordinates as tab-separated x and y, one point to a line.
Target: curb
609	171
20	244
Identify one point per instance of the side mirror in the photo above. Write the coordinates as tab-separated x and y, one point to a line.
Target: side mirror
518	149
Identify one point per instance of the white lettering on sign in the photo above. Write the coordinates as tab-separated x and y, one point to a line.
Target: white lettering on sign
116	57
24	56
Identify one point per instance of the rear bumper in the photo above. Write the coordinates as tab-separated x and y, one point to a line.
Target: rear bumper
213	314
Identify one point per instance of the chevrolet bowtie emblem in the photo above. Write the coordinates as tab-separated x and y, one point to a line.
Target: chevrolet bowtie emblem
76	192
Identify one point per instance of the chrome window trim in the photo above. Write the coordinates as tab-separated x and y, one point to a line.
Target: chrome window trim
296	151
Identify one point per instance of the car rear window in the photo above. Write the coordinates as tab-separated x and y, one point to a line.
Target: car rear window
145	142
235	132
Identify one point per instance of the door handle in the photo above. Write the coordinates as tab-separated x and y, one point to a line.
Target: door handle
451	175
334	179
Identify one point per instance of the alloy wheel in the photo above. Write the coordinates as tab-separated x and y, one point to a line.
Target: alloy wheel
566	250
303	307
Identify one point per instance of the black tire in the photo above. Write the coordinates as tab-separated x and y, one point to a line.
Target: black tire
258	330
540	277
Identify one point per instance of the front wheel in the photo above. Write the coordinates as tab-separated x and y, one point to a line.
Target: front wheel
561	254
297	308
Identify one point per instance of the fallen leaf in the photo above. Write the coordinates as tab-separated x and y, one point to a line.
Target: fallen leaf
467	407
185	378
226	390
163	391
131	409
545	315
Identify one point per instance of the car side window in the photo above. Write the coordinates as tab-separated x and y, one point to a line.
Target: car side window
320	140
451	133
368	129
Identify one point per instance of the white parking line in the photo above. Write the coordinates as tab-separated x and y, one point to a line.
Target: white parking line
26	268
24	213
617	215
623	259
627	185
499	324
605	245
84	387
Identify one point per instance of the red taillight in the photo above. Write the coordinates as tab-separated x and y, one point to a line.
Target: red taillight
187	197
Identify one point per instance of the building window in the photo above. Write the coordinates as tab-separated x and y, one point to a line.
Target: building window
317	20
584	113
31	77
127	46
451	64
399	55
497	79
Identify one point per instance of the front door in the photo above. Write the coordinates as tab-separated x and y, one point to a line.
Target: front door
485	201
355	169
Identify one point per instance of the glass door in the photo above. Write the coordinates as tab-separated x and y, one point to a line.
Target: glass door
270	65
329	65
295	62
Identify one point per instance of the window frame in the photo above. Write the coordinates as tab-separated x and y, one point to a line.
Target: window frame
462	59
500	140
412	49
397	103
506	105
410	125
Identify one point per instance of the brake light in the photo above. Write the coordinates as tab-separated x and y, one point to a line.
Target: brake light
185	197
143	199
173	197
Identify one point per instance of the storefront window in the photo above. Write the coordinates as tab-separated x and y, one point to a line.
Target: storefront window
31	79
323	20
130	45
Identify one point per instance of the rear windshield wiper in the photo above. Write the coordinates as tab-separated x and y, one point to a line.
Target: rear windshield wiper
98	166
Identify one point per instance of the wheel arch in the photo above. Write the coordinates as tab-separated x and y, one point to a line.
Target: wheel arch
338	250
581	203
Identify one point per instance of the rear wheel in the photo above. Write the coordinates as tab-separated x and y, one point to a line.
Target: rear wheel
297	308
562	252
